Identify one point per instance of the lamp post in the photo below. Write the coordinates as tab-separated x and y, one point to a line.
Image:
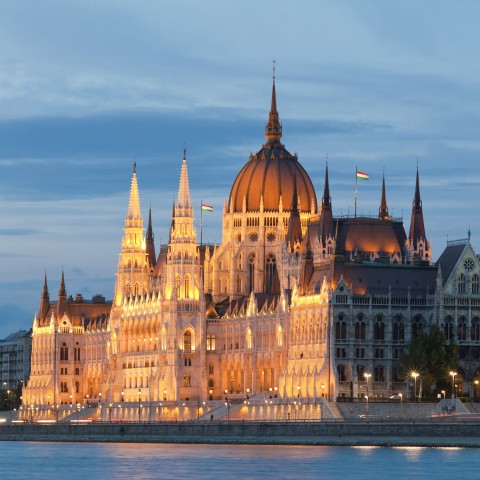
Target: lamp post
270	390
401	404
367	376
139	406
475	388
100	398
276	392
443	393
248	393
298	391
227	405
164	394
210	397
414	375
452	373
110	412
366	407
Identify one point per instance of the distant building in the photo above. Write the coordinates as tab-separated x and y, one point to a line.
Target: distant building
294	302
15	359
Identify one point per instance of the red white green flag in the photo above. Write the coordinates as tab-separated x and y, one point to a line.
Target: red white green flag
207	208
362	175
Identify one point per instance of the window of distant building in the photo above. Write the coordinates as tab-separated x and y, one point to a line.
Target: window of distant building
211	343
340	328
462	328
64	352
342	377
187	380
379	374
251	274
210	369
448	328
270	270
461	283
475	284
360	328
64	387
398	334
379	329
187	286
417	326
475	333
187	341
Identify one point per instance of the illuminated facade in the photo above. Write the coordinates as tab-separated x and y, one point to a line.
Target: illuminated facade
295	302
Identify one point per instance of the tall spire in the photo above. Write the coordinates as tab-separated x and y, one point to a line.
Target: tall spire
134	214
383	210
417	226
150	243
62	291
183	199
273	129
294	233
45	300
62	298
326	217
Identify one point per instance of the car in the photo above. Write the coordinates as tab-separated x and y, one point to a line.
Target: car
396	396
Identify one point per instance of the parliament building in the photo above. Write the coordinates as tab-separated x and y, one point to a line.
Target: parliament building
294	303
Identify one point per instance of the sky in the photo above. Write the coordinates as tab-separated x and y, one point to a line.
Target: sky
89	87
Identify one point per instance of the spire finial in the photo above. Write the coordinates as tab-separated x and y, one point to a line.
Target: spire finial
134	167
383	210
273	129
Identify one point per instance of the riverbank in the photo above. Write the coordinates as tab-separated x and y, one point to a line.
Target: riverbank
382	434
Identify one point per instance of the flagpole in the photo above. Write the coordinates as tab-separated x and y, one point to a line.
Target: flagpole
201	223
356	189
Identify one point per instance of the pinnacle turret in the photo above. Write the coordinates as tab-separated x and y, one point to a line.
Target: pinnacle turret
326	217
134	217
183	199
149	241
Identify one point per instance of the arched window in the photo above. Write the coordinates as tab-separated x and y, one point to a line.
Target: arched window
64	352
461	283
187	341
270	272
361	373
187	380
379	374
127	289
340	328
475	284
210	369
417	326
239	284
360	328
211	383
462	329
379	329
76	354
475	333
448	328
342	377
177	284
136	292
187	286
251	274
398	334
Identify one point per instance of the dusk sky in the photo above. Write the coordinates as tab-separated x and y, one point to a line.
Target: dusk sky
89	87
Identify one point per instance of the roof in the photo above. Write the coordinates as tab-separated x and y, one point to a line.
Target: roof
380	278
449	258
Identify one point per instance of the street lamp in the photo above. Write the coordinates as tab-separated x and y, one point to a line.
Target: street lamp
139	398
248	393
452	373
475	388
443	393
366	406
227	405
414	375
401	404
100	397
164	394
298	391
110	412
210	395
123	395
367	376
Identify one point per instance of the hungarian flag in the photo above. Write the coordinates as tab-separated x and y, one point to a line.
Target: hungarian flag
362	175
207	208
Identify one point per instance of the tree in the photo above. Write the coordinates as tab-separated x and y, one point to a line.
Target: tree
432	358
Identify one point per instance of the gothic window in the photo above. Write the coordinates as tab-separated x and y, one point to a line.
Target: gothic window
187	286
379	329
187	380
341	328
360	328
379	374
475	284
64	387
361	373
397	374
64	352
239	284
462	329
398	334
188	362
127	289
475	334
417	326
187	341
136	289
448	328
251	274
461	283
76	354
469	264
210	369
342	377
177	284
211	383
270	270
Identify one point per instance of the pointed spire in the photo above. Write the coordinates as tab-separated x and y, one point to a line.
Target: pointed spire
417	227
62	291
326	217
383	210
45	293
294	234
150	243
134	201
45	300
183	200
273	129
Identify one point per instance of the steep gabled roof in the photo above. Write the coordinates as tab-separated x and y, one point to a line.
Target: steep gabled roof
449	258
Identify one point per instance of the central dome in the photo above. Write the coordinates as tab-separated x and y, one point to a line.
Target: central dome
272	173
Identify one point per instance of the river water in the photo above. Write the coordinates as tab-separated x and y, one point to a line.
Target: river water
72	461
